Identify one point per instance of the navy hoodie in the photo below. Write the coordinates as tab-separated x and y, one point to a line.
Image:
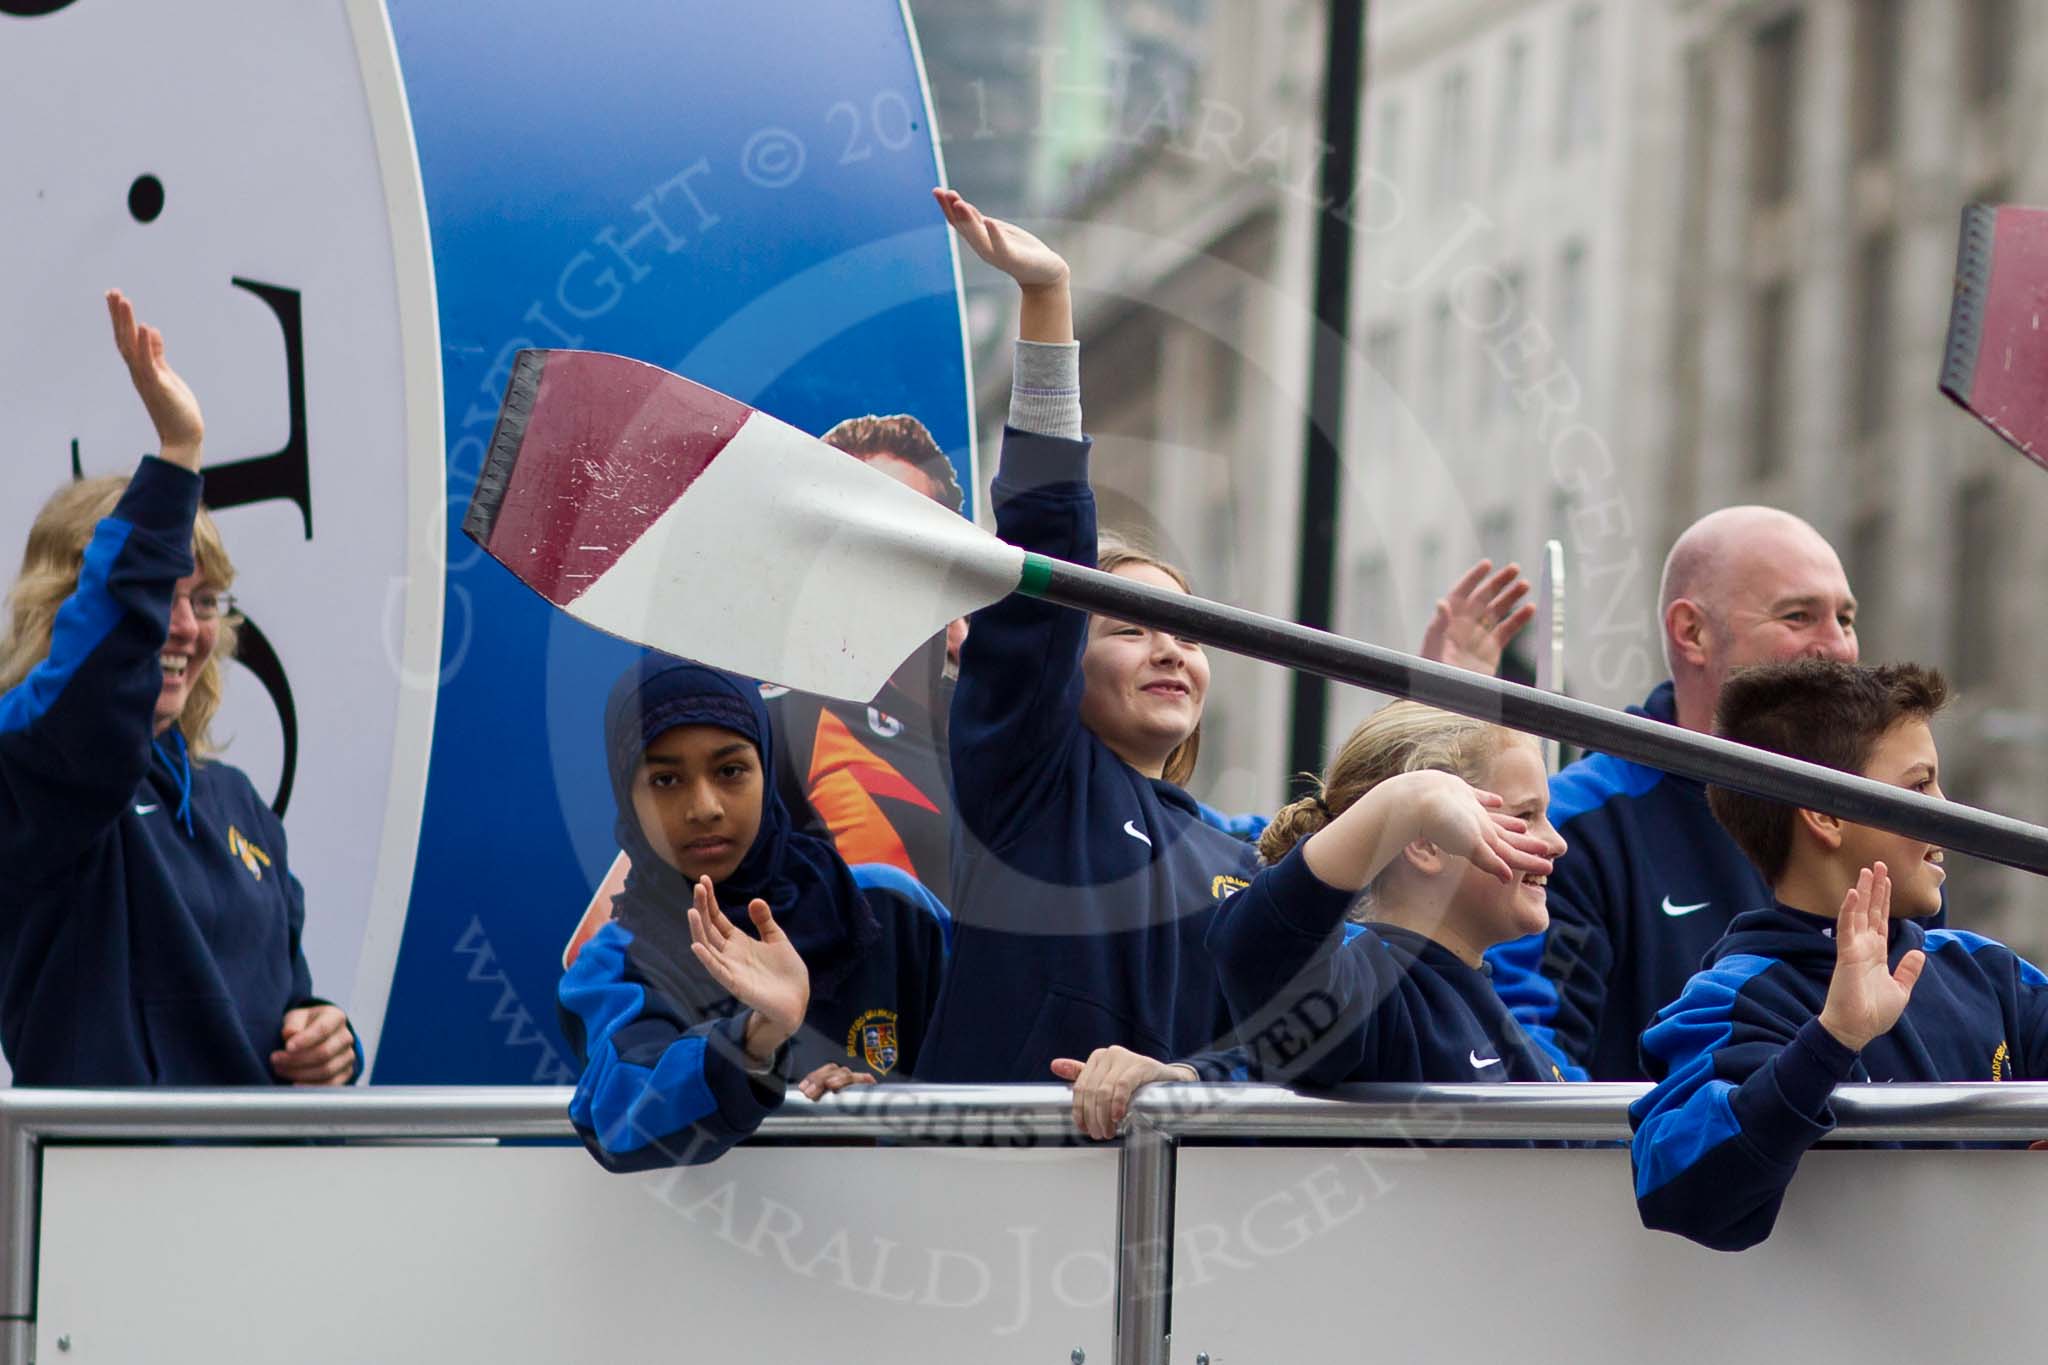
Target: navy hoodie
145	939
1318	1008
1649	883
1744	1069
662	1045
1083	888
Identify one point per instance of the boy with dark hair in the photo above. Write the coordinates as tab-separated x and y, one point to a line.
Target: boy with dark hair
1823	986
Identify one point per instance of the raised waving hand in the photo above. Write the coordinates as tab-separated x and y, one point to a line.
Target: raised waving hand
1477	618
765	974
180	430
1866	996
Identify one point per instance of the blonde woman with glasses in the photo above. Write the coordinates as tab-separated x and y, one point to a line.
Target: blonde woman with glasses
149	922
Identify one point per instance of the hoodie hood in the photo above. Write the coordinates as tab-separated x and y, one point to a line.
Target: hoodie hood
1804	942
802	877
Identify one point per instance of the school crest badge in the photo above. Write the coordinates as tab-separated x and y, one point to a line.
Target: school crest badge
253	858
873	1039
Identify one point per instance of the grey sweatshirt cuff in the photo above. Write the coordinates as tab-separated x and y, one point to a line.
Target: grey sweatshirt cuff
1045	390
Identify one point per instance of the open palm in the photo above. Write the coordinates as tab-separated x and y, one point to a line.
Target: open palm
170	401
764	974
1865	996
1005	246
1477	618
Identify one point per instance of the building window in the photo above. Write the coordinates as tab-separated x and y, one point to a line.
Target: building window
1497	536
1508	115
1990	28
1774	104
1578	119
1871	341
1383	353
1868	569
1453	136
1874	91
1574	312
1385	193
1441	366
1366	616
1979	566
1226	364
1769	350
1499	307
1432	581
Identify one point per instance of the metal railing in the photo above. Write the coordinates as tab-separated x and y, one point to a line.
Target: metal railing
1162	1118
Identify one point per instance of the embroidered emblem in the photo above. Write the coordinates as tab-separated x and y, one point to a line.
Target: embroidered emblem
1224	885
873	1039
2001	1062
253	858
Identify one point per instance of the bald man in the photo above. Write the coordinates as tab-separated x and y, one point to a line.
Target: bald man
1651	880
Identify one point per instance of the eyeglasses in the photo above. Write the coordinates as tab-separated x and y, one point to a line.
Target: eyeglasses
206	604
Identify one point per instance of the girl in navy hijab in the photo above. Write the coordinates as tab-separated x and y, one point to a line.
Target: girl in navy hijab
688	1025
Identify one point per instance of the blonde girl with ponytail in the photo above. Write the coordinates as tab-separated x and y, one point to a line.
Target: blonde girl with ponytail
1429	833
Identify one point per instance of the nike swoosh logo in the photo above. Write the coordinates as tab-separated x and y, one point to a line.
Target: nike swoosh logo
1479	1061
1131	828
1677	911
144	810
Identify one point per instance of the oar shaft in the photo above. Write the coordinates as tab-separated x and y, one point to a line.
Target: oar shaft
1654	744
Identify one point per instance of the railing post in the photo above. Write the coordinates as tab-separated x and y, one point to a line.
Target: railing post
1144	1245
20	1196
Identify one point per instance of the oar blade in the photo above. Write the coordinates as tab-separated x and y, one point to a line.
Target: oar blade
668	514
1996	361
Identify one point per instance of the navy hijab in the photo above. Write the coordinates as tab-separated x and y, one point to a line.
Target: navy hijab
801	876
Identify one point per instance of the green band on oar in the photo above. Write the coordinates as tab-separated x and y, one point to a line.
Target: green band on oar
1037	575
667	514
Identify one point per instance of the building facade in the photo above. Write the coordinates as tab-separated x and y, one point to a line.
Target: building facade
1615	265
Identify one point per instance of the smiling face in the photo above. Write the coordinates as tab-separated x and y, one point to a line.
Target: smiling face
186	649
1486	911
697	794
1780	595
1905	757
1142	689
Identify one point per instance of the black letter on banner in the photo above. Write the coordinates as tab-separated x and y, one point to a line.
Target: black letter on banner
284	473
254	652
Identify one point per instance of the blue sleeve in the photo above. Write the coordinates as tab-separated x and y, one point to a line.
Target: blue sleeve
1248	826
75	733
659	1087
2030	989
1302	999
1555	983
1016	717
1745	1093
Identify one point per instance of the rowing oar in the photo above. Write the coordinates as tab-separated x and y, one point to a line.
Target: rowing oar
659	511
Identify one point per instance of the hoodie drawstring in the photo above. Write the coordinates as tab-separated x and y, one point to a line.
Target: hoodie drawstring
181	768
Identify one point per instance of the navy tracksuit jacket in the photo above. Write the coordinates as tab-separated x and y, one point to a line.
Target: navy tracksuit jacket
662	1046
145	938
1319	1007
1083	888
1744	1069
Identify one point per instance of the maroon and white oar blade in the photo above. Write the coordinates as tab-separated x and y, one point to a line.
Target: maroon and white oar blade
668	514
1996	361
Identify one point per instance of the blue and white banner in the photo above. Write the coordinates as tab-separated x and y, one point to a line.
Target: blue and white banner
347	221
